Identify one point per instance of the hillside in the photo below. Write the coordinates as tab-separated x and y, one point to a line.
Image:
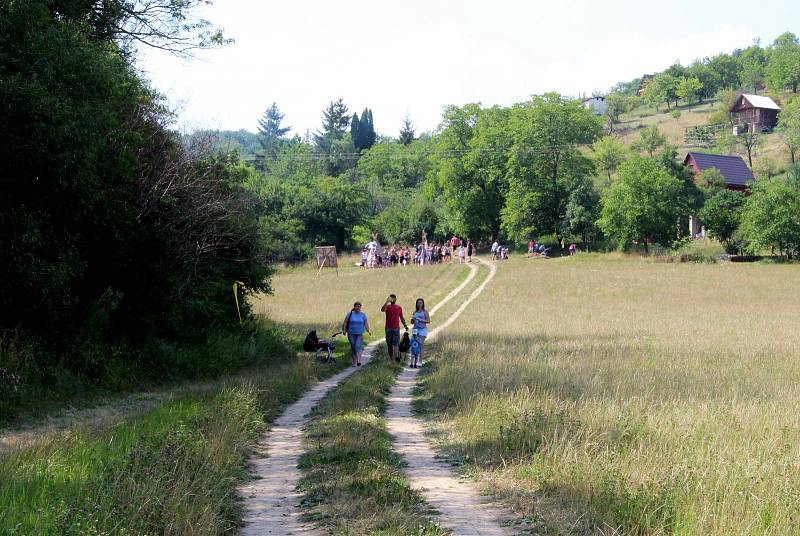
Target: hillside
691	115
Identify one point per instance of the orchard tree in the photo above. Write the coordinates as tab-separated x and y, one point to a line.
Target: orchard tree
663	87
644	203
751	73
789	127
608	153
544	158
616	105
689	88
650	141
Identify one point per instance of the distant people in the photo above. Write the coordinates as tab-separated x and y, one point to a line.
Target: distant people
531	251
495	247
461	254
420	321
394	316
469	250
364	257
572	249
354	326
455	242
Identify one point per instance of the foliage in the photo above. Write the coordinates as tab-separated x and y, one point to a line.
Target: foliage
789	127
644	203
543	161
751	71
663	87
783	68
689	88
771	215
270	131
406	131
608	153
721	214
711	181
616	105
650	141
363	130
116	236
335	121
583	209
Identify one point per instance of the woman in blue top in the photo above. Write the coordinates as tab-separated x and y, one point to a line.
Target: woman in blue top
354	325
420	319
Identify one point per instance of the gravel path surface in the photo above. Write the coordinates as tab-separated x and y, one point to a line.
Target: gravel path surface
462	509
271	503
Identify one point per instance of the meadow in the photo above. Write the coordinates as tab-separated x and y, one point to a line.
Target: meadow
616	395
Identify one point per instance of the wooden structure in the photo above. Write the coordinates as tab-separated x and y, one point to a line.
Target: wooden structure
326	256
756	112
732	168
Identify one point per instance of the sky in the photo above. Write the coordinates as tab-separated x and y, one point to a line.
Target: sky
414	57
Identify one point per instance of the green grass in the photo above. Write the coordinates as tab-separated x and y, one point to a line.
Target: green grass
353	480
171	471
615	395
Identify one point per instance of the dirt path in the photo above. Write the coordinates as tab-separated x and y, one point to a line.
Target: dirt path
462	508
271	503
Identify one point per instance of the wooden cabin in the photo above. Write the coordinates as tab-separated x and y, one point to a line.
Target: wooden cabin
756	112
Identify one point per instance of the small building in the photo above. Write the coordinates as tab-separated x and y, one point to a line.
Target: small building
756	112
732	168
596	104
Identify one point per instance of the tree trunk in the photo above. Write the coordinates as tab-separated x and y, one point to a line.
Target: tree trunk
646	249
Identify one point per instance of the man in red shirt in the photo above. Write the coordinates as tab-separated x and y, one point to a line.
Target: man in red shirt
455	242
394	315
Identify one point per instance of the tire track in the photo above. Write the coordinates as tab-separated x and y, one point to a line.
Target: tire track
271	503
461	507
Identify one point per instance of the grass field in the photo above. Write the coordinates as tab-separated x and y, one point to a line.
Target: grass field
623	396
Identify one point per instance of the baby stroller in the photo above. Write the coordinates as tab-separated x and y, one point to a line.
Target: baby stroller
322	348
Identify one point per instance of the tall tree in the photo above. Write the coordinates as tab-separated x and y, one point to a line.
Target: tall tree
406	131
608	153
583	209
721	214
364	137
544	158
270	130
650	140
644	203
783	67
771	214
616	105
751	72
335	121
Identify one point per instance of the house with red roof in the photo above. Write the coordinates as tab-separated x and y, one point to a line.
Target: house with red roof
756	112
733	169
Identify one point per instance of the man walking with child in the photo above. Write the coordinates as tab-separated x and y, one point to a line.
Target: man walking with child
394	316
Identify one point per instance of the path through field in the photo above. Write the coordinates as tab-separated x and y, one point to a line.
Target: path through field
462	509
271	503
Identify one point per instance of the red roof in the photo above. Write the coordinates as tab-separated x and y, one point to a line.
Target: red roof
733	168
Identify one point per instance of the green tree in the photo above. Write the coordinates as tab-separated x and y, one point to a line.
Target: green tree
721	214
752	62
364	137
689	88
335	121
711	181
407	131
771	215
708	77
544	158
470	161
662	87
583	209
726	68
270	131
789	127
783	67
608	153
644	203
616	105
650	141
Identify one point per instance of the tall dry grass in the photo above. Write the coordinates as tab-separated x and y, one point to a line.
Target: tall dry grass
624	396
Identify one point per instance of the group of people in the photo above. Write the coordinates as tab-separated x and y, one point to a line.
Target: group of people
373	255
356	324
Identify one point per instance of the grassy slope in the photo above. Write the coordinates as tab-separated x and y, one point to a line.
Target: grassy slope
691	115
617	394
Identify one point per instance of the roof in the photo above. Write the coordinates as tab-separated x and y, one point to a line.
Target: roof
759	101
733	168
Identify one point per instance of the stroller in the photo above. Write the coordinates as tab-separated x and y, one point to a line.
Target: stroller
322	348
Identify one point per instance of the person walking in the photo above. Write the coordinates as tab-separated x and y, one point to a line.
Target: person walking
495	249
354	326
461	254
469	250
394	316
420	320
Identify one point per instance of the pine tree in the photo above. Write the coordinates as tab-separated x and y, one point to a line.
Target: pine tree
270	130
366	131
355	130
335	121
407	131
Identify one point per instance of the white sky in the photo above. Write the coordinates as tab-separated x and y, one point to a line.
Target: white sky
417	56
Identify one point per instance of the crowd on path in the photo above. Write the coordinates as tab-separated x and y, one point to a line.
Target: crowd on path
374	255
356	323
